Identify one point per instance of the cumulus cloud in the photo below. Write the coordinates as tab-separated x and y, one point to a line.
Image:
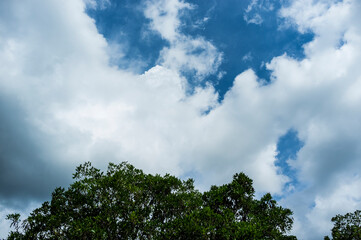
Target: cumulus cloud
326	113
57	71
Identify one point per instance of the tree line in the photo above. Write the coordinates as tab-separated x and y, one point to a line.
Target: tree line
126	203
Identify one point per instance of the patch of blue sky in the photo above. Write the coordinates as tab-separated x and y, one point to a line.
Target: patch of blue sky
341	43
123	22
287	147
244	44
225	23
197	178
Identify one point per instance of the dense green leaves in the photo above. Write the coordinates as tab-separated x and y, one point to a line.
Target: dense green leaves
347	227
125	203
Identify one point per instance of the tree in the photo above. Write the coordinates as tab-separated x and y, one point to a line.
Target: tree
125	203
15	223
346	227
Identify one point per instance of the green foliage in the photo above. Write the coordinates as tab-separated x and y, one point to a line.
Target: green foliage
125	203
346	227
15	223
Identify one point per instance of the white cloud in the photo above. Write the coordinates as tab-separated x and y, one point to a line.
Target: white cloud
255	19
343	198
97	4
77	101
252	14
185	53
165	17
324	108
189	54
313	215
248	57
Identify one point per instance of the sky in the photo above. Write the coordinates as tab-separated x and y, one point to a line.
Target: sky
200	89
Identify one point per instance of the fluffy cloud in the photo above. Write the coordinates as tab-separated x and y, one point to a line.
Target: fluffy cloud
185	53
74	107
344	197
164	17
324	105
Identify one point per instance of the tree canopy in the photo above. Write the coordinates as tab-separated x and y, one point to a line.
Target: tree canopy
126	203
346	227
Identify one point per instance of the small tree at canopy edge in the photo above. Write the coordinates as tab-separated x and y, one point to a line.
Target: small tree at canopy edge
346	227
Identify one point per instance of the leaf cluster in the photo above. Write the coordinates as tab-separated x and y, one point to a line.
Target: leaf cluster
346	227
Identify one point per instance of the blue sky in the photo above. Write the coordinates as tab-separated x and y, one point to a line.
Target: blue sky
227	25
200	89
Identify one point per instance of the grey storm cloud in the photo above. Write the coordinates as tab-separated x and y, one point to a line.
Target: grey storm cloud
25	170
